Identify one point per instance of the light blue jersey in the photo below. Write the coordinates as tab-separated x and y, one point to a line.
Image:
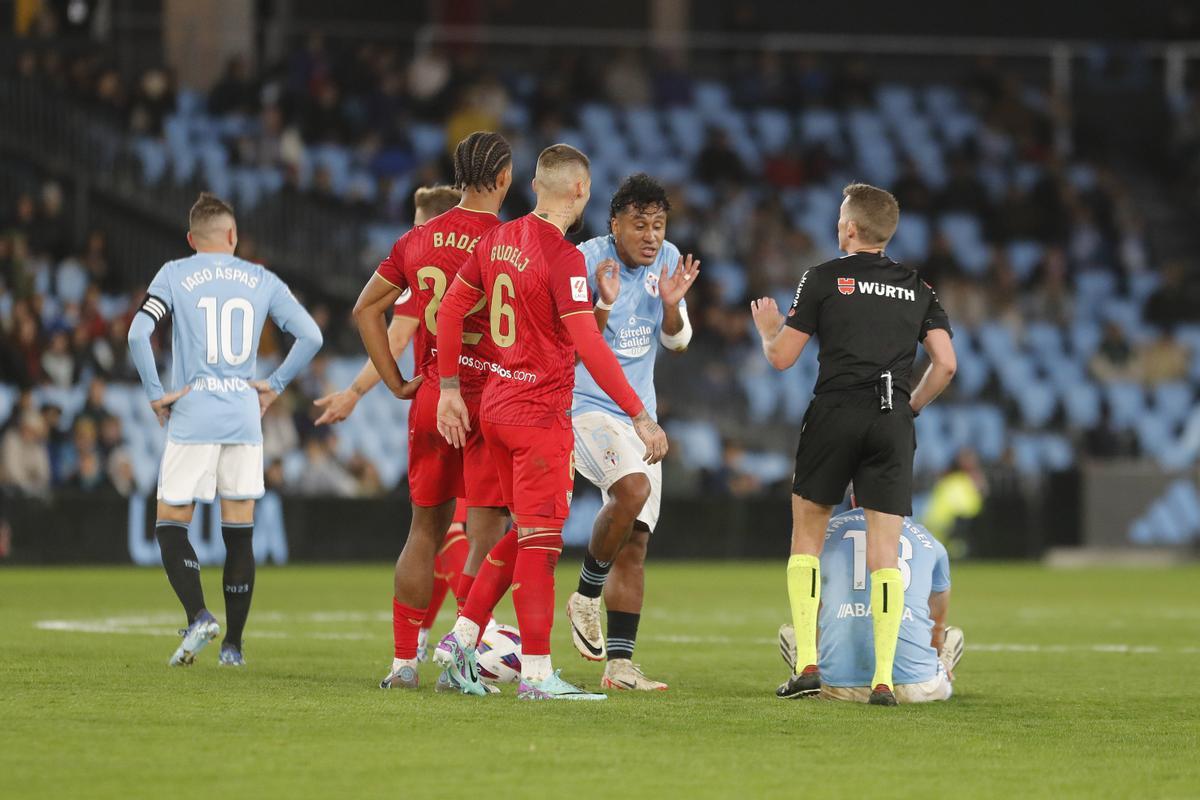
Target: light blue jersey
218	304
847	640
634	326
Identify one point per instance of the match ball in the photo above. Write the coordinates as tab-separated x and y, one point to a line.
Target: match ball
499	655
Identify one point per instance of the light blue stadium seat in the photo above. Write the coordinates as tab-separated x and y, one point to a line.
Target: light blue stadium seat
965	235
820	125
189	102
1026	175
1142	285
896	100
1024	255
687	128
1082	177
767	467
1057	453
1085	337
941	99
971	377
293	464
990	431
429	141
71	281
1037	402
1173	401
995	341
336	161
8	399
646	132
957	126
1154	434
1093	286
1027	453
774	128
699	441
711	98
1042	337
152	157
248	189
1082	405
911	242
1184	503
1126	404
762	396
729	276
517	117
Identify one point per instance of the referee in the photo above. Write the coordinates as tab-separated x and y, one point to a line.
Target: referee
868	312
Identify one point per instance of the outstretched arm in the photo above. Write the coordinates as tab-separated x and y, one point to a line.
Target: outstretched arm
337	406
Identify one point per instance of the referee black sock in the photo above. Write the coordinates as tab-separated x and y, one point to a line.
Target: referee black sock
593	576
238	579
622	633
181	564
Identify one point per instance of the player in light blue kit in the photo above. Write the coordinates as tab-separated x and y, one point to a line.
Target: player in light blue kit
218	304
640	280
927	651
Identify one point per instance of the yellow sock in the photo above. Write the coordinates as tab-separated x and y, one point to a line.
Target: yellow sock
887	607
804	594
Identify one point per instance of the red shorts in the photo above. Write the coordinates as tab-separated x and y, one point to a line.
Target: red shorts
435	467
480	477
437	472
537	470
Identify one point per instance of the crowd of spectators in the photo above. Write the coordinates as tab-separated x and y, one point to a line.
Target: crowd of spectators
729	210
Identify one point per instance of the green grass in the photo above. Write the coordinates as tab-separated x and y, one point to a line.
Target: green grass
1056	714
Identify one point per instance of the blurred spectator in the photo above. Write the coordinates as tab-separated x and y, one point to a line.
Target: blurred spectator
25	457
1164	359
323	473
235	92
1114	359
280	436
154	100
729	479
626	82
717	163
1175	300
957	495
58	364
1051	299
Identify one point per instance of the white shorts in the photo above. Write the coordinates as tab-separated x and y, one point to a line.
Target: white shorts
936	688
606	450
200	472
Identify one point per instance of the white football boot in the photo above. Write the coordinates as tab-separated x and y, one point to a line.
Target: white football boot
952	649
621	673
584	614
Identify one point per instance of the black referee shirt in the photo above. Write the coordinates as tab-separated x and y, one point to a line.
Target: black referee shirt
868	313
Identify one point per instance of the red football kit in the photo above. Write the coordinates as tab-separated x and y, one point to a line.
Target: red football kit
540	314
425	261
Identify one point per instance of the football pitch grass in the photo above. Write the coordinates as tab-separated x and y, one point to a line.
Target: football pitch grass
1074	683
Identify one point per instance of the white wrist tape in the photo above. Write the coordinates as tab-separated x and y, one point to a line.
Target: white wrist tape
603	306
678	341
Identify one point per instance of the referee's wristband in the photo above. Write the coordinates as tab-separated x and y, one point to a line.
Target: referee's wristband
603	306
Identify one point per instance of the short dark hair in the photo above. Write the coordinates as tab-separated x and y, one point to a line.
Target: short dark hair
479	159
639	193
436	200
874	210
556	155
207	208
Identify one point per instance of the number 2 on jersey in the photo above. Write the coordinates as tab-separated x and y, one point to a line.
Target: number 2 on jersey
433	279
859	538
214	352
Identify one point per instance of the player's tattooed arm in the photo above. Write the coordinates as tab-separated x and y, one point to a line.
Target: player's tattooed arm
652	435
608	288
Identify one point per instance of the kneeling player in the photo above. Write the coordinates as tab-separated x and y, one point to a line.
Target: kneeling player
219	304
927	652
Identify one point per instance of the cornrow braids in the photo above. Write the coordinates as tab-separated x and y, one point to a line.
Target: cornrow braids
479	159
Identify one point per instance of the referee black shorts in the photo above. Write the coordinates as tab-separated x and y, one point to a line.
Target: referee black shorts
845	437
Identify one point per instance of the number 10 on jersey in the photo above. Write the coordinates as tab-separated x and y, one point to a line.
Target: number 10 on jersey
218	347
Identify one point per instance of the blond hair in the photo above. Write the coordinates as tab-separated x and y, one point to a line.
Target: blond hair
206	212
436	200
874	210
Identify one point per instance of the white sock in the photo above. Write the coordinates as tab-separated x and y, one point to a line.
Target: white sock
535	668
400	663
467	631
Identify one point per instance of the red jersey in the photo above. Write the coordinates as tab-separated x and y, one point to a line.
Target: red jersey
532	277
425	261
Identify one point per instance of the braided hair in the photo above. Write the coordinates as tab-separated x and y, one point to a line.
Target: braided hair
479	159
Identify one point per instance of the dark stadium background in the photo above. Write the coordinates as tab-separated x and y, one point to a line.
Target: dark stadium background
1046	157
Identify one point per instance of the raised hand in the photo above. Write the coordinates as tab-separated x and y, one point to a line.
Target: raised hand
608	281
672	288
767	318
336	406
162	406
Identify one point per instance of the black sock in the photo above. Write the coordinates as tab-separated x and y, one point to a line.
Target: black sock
238	578
593	575
182	566
622	633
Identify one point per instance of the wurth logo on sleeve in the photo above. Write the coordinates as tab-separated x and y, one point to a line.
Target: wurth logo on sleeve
847	285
